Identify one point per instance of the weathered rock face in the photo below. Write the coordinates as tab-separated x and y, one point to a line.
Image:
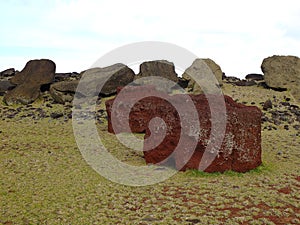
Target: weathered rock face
245	83
36	72
66	76
109	78
29	81
240	148
5	86
161	68
63	91
94	82
254	76
283	72
197	68
157	68
8	72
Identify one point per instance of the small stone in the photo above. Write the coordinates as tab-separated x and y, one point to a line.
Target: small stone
265	119
296	127
267	105
77	106
56	115
277	122
285	103
193	221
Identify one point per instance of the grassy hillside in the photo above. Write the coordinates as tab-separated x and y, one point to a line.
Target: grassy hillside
45	180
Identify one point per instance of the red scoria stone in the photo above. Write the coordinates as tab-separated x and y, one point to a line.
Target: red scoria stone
187	129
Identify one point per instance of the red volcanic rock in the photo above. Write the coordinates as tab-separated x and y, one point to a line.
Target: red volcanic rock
132	102
214	136
241	146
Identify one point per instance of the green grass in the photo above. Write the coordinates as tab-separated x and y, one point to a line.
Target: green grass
45	180
262	169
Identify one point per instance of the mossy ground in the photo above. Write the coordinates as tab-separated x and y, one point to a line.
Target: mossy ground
45	180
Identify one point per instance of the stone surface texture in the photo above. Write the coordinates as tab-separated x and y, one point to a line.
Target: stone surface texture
283	72
240	148
29	81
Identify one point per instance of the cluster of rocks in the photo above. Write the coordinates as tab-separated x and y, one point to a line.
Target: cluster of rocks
251	79
239	150
45	110
280	113
38	76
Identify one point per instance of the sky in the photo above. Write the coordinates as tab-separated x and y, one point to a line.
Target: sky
236	34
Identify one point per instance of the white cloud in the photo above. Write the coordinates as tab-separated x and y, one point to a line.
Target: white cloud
236	34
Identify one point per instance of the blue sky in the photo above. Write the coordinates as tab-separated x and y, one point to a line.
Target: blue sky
237	35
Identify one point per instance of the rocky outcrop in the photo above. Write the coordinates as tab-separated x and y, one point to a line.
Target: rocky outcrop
283	72
199	69
29	81
240	149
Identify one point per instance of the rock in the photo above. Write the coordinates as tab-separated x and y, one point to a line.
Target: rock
285	103
29	81
241	147
268	105
232	80
21	94
55	115
199	67
91	82
245	83
295	91
66	76
283	72
106	80
296	127
64	91
159	69
182	83
5	86
36	73
8	73
255	77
